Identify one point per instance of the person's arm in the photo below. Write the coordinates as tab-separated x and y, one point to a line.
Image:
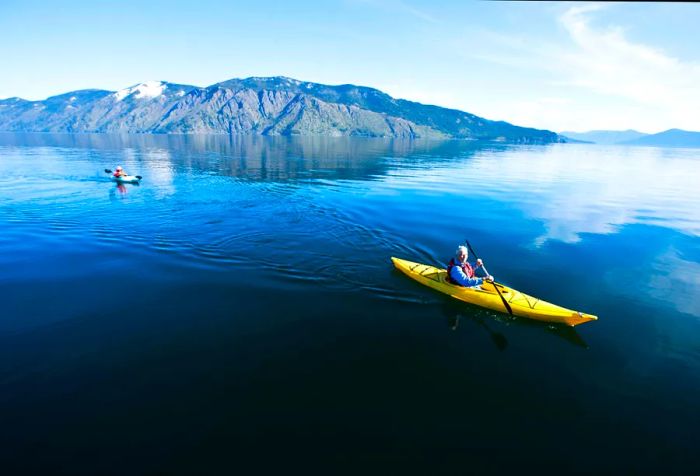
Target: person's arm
480	266
460	278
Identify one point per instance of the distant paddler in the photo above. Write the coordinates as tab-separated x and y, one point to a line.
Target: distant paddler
121	176
119	172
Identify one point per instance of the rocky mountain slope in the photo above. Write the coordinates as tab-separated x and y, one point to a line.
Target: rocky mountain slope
262	106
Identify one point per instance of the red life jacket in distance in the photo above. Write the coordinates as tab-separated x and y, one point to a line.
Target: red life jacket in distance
466	267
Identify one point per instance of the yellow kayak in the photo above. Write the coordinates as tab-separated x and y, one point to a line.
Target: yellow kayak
486	296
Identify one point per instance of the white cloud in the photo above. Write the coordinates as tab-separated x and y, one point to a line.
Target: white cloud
605	62
607	80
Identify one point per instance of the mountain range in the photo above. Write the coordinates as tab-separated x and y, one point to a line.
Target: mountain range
604	137
669	138
261	106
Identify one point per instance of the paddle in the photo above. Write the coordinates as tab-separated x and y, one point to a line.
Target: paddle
107	171
497	338
452	312
505	303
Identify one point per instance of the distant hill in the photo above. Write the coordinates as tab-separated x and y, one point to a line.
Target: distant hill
669	138
571	140
261	106
604	137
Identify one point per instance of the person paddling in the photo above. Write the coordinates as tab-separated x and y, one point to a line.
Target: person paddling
118	172
460	272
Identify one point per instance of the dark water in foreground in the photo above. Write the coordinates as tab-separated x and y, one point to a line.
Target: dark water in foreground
238	309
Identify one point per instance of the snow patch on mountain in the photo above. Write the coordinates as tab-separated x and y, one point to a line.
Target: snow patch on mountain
149	89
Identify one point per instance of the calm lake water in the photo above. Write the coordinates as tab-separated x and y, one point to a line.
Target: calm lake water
238	309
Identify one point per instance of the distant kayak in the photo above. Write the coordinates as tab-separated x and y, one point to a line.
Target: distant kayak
486	296
127	179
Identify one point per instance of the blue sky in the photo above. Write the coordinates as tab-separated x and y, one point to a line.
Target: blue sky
554	65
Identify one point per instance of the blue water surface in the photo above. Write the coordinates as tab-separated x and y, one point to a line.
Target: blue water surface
238	308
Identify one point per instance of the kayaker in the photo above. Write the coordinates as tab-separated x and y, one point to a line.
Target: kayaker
460	272
118	172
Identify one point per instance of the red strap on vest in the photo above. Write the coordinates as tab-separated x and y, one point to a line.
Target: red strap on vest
466	267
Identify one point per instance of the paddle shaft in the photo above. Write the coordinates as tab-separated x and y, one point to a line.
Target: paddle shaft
505	303
485	270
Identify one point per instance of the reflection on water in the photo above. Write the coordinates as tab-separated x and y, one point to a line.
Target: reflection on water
668	277
496	326
677	280
412	198
580	189
249	278
571	190
252	157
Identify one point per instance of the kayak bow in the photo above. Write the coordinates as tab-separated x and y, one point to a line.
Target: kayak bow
521	304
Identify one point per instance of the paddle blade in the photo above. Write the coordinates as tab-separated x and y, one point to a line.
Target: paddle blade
107	171
138	177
